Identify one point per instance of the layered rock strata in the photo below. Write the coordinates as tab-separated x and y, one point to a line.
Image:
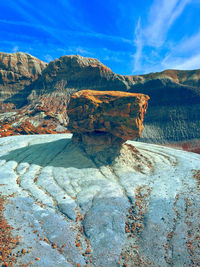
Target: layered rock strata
17	71
174	107
102	119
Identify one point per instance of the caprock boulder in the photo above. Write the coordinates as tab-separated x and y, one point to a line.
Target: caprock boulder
106	118
174	109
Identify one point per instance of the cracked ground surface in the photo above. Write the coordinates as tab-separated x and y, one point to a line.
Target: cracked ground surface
68	209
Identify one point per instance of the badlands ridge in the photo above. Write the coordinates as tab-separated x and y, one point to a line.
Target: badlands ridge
94	199
34	97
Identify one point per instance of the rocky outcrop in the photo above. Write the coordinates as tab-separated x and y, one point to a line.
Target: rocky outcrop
50	94
174	109
69	74
105	118
17	71
33	119
174	112
66	210
183	77
77	72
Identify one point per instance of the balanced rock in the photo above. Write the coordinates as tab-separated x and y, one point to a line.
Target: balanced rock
105	118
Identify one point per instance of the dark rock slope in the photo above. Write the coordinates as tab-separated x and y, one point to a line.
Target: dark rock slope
68	74
174	109
17	71
173	116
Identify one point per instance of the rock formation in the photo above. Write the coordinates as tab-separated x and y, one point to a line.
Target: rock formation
141	210
17	71
174	112
174	108
77	72
102	119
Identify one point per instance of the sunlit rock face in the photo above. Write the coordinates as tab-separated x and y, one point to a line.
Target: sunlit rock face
105	118
17	71
42	93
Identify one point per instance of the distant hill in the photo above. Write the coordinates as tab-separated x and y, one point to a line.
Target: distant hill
17	71
41	91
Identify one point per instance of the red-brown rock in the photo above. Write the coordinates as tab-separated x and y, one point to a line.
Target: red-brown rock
106	116
42	94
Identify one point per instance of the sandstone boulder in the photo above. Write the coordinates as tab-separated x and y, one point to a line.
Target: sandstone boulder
27	83
106	116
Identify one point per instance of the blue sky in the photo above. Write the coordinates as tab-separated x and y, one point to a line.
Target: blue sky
130	37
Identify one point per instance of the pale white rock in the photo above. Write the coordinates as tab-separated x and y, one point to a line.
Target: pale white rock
82	203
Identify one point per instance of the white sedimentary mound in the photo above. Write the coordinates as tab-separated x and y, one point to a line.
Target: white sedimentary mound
141	209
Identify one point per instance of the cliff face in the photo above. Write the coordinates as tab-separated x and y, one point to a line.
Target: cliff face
17	71
174	106
174	110
68	74
184	77
79	73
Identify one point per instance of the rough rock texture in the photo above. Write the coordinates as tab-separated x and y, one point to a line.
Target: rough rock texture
67	209
17	71
174	111
33	119
68	74
174	108
106	117
77	72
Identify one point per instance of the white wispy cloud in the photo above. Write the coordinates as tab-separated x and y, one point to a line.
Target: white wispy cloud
183	63
189	64
23	4
162	15
139	45
61	35
33	21
15	49
153	34
190	43
184	55
48	58
19	23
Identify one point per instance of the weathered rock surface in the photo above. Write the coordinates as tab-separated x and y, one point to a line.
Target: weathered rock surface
33	119
141	209
79	73
17	71
174	108
174	111
101	118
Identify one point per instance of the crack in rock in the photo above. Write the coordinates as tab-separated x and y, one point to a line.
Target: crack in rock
142	208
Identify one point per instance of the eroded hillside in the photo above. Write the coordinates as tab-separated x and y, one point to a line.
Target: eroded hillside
68	209
174	106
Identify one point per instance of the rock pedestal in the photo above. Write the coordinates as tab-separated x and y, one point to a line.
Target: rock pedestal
102	119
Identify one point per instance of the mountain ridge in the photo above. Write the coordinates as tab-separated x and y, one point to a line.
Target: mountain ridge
17	71
174	106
